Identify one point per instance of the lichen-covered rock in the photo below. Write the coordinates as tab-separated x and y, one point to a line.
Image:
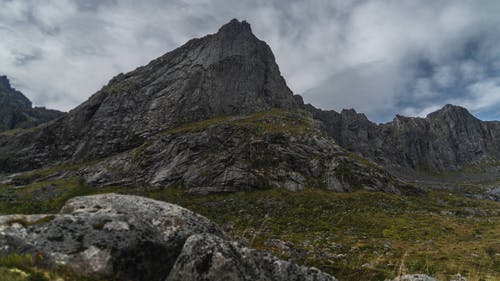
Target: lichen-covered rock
133	238
124	236
210	258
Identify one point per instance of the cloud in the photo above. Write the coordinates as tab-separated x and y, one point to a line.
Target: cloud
377	56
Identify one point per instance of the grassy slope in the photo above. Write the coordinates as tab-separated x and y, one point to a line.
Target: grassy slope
360	235
354	236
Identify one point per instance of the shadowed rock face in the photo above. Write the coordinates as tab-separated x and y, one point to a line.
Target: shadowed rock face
210	258
280	149
446	139
134	238
16	110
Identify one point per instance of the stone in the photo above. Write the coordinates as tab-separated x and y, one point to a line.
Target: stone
210	258
109	235
128	237
414	277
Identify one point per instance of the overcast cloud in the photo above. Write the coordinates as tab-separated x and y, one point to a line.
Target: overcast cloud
380	57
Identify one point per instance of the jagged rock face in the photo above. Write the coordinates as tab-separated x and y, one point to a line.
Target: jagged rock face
230	72
127	237
210	258
447	139
279	149
16	110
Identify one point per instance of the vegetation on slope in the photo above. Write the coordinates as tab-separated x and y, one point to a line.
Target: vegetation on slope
354	236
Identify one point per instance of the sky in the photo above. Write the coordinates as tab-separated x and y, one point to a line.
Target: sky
380	57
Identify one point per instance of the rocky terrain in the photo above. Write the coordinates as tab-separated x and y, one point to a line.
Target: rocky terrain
214	115
123	237
230	72
17	112
448	139
212	126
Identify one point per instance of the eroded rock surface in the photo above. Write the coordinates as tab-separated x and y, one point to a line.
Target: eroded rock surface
278	149
134	238
210	258
229	72
445	140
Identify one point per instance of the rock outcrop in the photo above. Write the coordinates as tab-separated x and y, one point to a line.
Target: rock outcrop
276	149
447	139
17	112
210	258
133	238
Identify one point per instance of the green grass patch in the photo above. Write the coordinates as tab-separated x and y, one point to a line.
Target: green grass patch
276	120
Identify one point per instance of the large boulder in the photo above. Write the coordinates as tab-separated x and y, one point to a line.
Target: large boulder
123	236
211	258
134	238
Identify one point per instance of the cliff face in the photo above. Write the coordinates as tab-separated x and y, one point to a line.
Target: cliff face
447	139
16	110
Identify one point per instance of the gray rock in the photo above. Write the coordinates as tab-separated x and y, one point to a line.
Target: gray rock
414	277
210	258
133	238
447	139
493	194
237	155
130	237
16	110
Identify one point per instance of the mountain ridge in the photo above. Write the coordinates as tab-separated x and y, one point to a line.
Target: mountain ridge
17	111
448	139
245	129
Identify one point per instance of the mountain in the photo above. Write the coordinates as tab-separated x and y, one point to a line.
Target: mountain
448	139
214	115
230	72
212	126
16	110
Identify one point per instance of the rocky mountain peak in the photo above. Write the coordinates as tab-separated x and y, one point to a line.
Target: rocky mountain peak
230	72
235	27
4	82
16	109
450	110
10	95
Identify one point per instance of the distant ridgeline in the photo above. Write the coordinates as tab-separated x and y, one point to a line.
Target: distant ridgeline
16	110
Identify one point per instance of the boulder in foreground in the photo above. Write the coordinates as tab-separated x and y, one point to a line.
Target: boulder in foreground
134	238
